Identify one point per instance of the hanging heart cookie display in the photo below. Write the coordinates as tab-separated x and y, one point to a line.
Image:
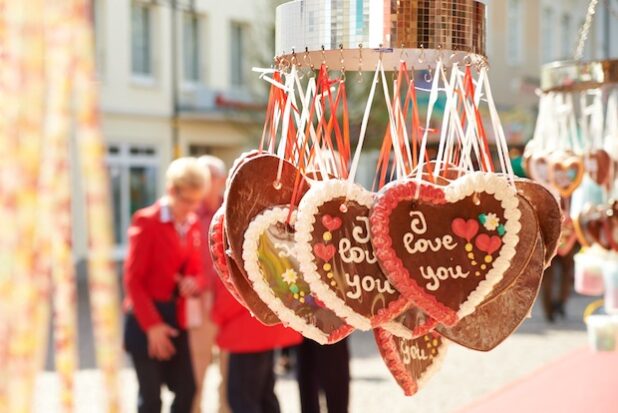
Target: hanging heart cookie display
216	244
270	261
494	321
411	362
412	324
446	249
548	211
598	166
566	174
337	258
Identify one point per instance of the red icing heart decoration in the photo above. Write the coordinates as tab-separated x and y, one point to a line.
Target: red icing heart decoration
465	229
411	362
331	224
488	244
271	265
337	259
424	249
324	252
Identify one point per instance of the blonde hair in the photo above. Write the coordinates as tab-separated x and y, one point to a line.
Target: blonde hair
187	173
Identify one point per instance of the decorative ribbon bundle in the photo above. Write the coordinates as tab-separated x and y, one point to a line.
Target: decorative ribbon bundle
451	249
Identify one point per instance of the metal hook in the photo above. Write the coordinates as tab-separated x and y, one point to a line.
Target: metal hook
468	60
428	75
324	57
308	62
341	59
421	56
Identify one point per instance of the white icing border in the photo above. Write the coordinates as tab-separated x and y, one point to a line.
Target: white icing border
250	257
437	364
500	188
398	330
320	193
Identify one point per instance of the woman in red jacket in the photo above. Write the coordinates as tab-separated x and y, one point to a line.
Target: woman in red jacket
251	344
163	267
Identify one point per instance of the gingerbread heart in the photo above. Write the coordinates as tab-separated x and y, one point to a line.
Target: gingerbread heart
568	238
411	362
494	321
598	166
254	188
216	246
412	324
337	259
251	300
270	261
566	175
538	168
414	233
548	212
592	227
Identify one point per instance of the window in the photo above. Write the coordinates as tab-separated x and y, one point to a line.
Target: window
515	32
191	48
547	35
133	171
199	150
565	28
141	39
237	49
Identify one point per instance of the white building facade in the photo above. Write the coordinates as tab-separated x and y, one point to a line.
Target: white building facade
166	92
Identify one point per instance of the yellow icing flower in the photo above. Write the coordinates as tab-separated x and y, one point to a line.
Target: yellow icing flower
492	222
289	276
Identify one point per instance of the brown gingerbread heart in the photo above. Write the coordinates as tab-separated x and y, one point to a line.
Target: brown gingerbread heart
566	174
494	321
592	227
568	238
216	244
337	258
271	264
251	300
548	211
411	362
445	249
598	166
254	188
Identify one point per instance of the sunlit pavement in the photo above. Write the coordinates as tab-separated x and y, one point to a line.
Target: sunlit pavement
466	375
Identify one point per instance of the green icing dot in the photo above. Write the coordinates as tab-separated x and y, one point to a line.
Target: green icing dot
294	288
501	230
482	218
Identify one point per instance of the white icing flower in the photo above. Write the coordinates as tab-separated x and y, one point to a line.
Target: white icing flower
491	222
289	276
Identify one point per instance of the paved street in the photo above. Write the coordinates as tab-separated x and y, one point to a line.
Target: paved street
465	376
